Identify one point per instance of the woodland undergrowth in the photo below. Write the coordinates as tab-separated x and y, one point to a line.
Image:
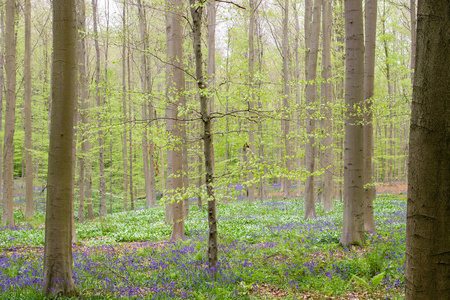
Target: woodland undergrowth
266	251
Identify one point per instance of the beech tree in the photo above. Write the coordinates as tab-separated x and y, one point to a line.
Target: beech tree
353	218
29	210
10	114
147	145
196	13
428	207
58	261
369	77
174	90
327	100
311	92
100	102
286	97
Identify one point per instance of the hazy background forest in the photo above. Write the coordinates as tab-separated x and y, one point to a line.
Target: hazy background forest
106	119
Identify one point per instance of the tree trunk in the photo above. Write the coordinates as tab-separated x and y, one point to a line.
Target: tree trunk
100	101
369	70
427	273
196	13
251	62
82	98
149	172
58	263
412	9
353	219
286	105
2	87
28	145
124	106
311	94
175	90
327	101
10	113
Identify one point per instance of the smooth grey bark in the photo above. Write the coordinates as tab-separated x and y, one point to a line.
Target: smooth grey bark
412	10
106	49
389	149
353	217
130	132
85	161
196	13
2	86
298	92
29	207
174	94
286	105
124	106
327	101
251	101
147	145
58	262
100	102
10	113
427	274
311	96
369	71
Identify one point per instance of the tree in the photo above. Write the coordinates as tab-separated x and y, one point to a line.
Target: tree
29	210
327	100
10	114
251	101
353	219
85	178
2	86
175	89
124	106
428	207
147	146
196	13
369	70
100	102
311	91
286	96
412	9
58	261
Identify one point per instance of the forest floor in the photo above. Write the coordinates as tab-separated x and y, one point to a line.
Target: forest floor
266	251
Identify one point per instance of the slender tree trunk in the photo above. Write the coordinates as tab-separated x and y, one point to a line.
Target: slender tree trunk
2	87
427	273
327	100
353	219
10	113
27	99
100	100
130	137
311	95
196	13
106	47
369	70
58	262
82	98
251	62
263	179
124	106
130	132
175	90
286	105
150	194
412	9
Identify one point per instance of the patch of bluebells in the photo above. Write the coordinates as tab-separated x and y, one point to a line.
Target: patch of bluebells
177	270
